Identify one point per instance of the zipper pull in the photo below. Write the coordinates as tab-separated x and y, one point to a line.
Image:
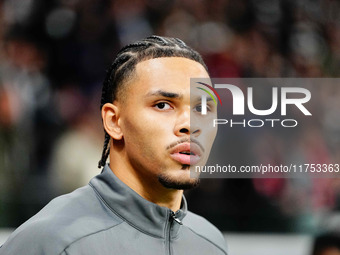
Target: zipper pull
173	216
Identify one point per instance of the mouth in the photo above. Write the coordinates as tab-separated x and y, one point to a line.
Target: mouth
186	153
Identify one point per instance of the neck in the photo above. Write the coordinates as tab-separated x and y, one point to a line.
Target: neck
146	186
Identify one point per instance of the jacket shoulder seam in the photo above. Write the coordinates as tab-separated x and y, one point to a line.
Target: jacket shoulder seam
102	230
118	215
208	240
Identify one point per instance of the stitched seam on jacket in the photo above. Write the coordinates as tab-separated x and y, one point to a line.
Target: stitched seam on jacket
207	240
121	217
102	230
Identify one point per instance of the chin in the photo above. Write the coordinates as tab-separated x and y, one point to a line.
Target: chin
179	183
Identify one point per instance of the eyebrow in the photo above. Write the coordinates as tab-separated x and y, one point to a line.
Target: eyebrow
164	94
198	98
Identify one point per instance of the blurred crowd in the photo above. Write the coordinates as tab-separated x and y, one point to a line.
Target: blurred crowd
54	55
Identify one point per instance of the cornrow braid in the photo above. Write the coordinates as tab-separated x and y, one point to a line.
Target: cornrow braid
124	64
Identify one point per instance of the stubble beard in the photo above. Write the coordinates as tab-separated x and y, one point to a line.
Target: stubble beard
172	183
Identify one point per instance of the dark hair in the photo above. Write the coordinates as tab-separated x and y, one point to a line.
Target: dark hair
128	57
326	241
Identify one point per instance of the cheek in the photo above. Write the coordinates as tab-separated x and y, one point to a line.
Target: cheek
208	130
143	136
145	145
208	138
135	132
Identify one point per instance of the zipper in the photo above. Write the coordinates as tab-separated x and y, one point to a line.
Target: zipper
172	218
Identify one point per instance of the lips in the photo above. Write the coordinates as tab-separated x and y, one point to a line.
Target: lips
186	153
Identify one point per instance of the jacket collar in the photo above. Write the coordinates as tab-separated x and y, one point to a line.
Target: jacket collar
142	214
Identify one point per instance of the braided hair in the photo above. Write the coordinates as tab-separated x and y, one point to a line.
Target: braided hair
128	57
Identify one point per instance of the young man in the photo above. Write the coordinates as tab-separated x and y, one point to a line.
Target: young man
136	205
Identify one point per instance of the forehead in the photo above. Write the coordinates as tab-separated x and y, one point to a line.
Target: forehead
169	73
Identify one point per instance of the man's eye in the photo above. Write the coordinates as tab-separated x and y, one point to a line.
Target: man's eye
198	108
163	106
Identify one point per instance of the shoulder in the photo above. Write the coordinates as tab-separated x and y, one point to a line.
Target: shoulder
203	228
63	221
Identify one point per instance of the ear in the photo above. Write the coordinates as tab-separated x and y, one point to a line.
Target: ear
111	121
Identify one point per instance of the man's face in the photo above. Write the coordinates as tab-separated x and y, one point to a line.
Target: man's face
155	120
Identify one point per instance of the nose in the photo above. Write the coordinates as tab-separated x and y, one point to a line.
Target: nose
184	125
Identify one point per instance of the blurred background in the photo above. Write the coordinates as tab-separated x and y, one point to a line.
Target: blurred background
54	55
